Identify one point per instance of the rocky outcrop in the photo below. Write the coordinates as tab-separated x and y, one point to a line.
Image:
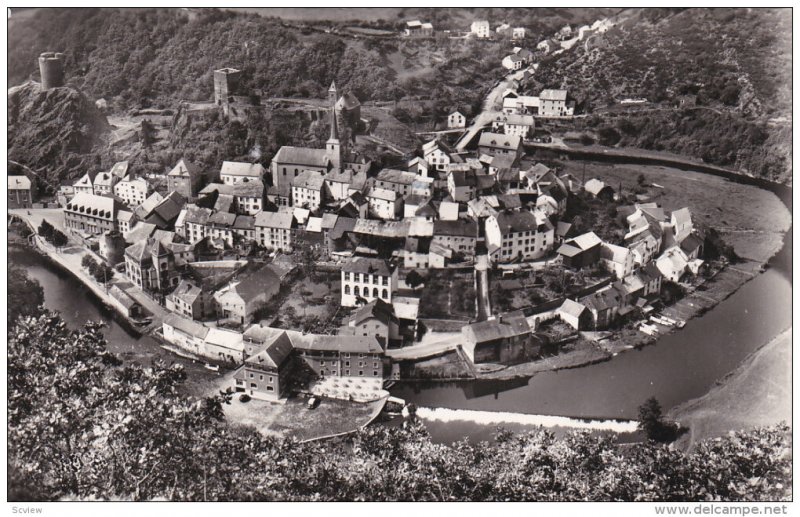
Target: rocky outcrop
56	131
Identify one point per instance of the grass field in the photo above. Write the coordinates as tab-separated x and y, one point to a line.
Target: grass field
757	393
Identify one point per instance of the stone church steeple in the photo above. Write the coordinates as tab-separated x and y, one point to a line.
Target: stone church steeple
333	146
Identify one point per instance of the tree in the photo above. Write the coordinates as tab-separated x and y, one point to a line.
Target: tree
414	279
24	295
46	230
59	239
641	180
651	422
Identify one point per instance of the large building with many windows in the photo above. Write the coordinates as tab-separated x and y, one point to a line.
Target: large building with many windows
367	279
273	230
89	213
520	235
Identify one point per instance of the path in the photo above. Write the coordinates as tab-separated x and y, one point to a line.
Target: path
482	287
70	258
425	350
488	113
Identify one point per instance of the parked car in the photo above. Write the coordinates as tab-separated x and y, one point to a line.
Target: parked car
312	403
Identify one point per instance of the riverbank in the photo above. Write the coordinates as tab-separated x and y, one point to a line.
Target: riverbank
757	393
69	259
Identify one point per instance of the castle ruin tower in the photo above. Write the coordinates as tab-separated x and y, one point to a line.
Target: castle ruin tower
333	146
226	85
51	68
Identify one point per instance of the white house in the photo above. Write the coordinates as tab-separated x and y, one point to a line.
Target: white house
553	103
513	62
274	230
368	279
307	190
521	104
437	154
456	120
132	191
518	33
514	125
480	28
524	235
384	203
236	172
616	259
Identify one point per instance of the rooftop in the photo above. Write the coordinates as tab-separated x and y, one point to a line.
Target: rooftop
248	170
503	327
368	265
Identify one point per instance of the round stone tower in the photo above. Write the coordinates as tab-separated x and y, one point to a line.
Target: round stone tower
51	67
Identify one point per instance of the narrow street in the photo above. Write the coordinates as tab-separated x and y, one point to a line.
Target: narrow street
489	108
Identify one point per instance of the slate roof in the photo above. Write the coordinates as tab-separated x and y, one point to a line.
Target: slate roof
274	220
302	156
183	169
377	309
96	206
383	194
250	188
515	222
309	179
187	291
373	266
247	170
499	141
187	326
351	344
396	176
274	352
553	95
459	228
503	327
572	308
19	183
256	283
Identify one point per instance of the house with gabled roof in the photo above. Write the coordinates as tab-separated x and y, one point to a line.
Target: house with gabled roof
367	279
375	319
581	251
437	154
617	260
239	300
265	375
456	120
184	179
151	266
575	315
519	235
497	143
273	230
308	190
505	339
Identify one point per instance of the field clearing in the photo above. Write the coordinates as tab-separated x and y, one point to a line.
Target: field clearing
293	419
757	393
756	216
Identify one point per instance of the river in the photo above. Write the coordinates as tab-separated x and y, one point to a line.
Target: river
679	367
77	305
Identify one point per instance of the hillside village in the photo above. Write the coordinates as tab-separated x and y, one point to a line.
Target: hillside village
323	272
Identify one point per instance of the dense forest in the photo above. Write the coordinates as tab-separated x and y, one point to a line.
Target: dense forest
717	82
82	425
